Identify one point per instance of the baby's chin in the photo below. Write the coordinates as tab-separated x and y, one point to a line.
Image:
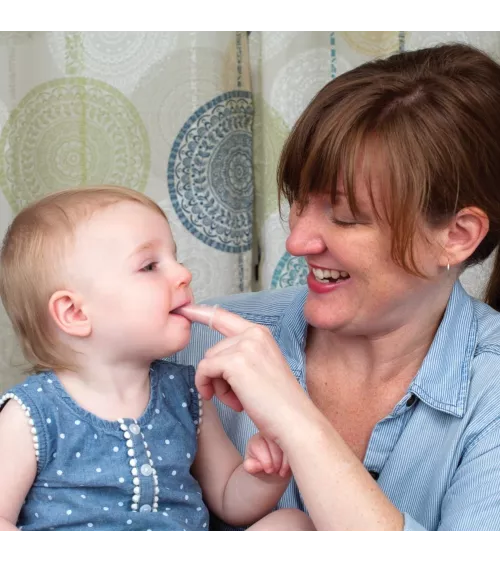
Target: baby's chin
178	342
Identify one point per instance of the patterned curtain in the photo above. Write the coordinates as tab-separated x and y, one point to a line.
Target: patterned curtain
196	120
167	113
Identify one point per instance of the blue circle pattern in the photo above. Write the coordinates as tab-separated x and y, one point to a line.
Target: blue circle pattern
291	270
209	174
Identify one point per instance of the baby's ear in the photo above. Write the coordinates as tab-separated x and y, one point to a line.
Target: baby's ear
67	311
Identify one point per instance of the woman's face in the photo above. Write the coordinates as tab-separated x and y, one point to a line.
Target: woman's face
354	285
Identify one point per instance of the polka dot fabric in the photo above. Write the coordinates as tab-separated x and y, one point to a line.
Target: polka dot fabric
95	474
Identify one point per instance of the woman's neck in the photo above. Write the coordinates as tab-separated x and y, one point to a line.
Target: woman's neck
377	358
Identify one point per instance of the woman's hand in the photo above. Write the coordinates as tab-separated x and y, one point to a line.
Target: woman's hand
247	371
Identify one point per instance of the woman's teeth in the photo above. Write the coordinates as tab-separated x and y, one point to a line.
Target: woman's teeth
329	276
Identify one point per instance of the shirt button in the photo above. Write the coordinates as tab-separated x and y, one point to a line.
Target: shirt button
146	470
145	508
134	429
374	474
411	400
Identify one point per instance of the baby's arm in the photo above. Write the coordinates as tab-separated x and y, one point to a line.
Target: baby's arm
18	466
231	492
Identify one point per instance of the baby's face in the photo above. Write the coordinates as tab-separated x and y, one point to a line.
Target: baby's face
124	265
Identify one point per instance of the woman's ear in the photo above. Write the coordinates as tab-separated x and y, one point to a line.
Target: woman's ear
67	310
463	235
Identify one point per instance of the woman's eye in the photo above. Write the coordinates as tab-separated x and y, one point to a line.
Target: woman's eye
344	223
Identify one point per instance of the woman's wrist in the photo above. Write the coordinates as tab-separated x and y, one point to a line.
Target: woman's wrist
301	426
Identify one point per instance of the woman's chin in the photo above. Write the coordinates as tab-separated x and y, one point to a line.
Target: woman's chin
324	319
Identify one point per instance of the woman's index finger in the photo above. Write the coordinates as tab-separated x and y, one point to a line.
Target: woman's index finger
225	322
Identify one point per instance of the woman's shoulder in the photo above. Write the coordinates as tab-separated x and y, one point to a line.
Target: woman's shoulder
484	369
488	328
266	303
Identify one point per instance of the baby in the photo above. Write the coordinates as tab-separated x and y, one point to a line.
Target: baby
105	435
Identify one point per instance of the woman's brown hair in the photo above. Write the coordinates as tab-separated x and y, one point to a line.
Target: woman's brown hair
430	121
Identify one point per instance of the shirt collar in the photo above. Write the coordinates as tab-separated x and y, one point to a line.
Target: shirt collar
293	333
442	381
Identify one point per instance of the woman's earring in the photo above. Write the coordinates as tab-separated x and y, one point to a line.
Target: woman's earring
448	266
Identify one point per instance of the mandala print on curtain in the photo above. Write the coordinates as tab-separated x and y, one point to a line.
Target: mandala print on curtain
290	270
169	114
71	131
210	173
196	120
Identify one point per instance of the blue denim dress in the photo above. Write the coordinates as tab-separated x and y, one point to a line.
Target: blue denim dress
95	474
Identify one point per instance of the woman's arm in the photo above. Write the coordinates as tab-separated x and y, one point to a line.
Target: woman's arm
338	491
472	500
248	370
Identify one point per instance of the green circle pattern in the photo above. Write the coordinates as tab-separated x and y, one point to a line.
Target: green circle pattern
69	132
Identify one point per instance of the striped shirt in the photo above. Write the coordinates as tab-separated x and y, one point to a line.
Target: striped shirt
437	455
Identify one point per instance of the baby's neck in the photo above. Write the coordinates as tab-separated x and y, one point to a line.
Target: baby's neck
109	392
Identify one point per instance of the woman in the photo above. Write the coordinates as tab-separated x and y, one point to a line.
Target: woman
393	176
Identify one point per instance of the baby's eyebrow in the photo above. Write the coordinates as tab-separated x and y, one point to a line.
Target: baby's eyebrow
150	245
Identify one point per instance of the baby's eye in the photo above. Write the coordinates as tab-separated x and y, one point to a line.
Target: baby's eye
150	267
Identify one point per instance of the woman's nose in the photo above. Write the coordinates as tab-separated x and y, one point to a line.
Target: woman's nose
305	233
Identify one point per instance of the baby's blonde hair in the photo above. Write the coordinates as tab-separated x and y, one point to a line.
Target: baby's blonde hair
32	263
